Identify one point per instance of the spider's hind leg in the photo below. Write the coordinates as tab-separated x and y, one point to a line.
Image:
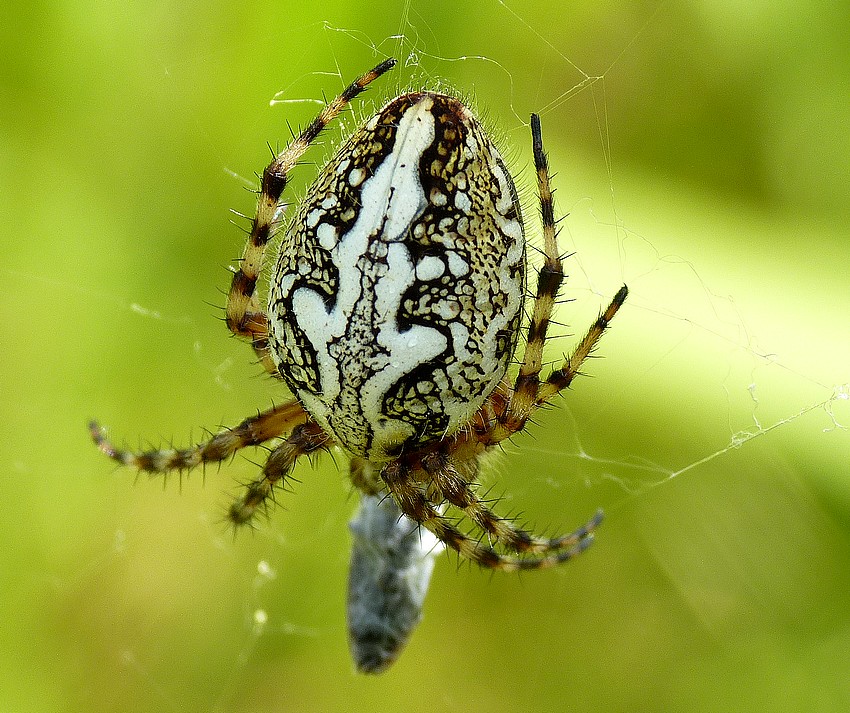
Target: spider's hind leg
414	502
458	491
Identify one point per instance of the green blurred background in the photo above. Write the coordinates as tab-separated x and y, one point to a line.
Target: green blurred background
703	154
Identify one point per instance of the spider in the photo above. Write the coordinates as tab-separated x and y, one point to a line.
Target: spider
394	310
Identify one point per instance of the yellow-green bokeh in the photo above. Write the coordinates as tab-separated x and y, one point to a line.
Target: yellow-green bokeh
707	166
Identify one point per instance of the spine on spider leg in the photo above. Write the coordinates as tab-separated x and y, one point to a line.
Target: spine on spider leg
391	564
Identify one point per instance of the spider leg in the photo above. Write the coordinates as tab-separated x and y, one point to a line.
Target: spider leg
561	378
528	393
244	316
251	432
549	279
305	438
413	502
457	490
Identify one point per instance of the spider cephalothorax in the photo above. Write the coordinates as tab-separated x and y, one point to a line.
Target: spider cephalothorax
394	311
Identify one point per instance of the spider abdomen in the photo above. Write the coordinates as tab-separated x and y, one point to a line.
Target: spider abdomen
395	302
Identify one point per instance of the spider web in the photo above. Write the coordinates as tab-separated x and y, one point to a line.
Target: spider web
711	429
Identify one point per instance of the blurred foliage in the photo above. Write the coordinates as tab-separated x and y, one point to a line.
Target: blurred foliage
702	153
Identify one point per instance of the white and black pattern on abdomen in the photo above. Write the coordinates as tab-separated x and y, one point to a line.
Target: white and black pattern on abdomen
390	324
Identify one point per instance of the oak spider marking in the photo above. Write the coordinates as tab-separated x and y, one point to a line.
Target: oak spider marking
394	311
